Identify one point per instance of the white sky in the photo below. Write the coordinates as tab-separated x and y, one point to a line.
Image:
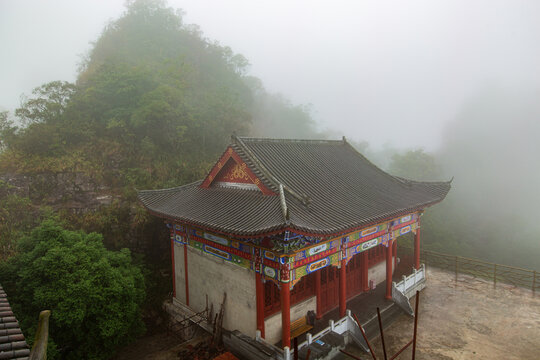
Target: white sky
382	71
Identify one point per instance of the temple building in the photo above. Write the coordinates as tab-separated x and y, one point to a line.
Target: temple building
285	227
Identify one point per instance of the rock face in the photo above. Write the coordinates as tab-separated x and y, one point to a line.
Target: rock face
73	191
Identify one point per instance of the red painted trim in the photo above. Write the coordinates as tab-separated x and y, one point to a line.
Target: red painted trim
220	164
186	274
389	271
173	268
417	249
329	236
259	291
318	294
285	315
343	288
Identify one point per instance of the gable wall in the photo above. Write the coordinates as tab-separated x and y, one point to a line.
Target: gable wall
210	275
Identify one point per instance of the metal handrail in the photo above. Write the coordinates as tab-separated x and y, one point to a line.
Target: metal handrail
513	275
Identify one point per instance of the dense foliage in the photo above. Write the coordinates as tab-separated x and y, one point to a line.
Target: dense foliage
94	294
153	106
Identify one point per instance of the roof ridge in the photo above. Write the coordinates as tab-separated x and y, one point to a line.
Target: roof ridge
394	178
277	140
239	141
411	181
169	189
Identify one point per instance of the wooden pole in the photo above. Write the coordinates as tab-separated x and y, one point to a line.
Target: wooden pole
534	282
389	271
343	288
415	324
455	266
318	294
365	337
382	333
285	315
259	290
494	275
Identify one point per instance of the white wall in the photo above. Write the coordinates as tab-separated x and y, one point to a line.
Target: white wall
179	272
212	276
378	272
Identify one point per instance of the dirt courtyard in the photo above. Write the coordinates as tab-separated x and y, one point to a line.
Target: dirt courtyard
468	319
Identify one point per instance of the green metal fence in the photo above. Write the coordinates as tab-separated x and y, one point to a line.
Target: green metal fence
496	273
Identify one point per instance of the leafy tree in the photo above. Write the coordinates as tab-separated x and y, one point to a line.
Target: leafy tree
17	217
7	130
48	103
94	294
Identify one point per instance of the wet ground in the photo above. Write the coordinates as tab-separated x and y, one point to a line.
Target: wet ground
467	319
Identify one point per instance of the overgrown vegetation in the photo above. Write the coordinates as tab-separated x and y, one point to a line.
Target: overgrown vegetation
94	294
153	106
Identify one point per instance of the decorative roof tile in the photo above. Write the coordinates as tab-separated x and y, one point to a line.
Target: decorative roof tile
12	342
328	188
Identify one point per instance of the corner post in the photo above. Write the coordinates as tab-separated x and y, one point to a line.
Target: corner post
389	270
285	315
173	265
343	288
259	291
417	248
186	273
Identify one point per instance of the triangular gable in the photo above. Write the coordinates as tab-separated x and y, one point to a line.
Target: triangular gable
231	169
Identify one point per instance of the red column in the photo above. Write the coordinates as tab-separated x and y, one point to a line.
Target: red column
318	293
186	274
365	268
394	253
389	270
417	248
343	288
173	268
285	315
259	290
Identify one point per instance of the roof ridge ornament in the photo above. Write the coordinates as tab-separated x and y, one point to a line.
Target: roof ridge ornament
283	203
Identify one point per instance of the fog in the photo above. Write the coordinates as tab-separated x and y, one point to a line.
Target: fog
389	73
459	79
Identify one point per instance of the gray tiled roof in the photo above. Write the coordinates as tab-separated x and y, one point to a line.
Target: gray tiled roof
329	188
12	343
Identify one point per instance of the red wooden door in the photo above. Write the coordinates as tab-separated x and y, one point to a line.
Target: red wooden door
354	276
329	288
